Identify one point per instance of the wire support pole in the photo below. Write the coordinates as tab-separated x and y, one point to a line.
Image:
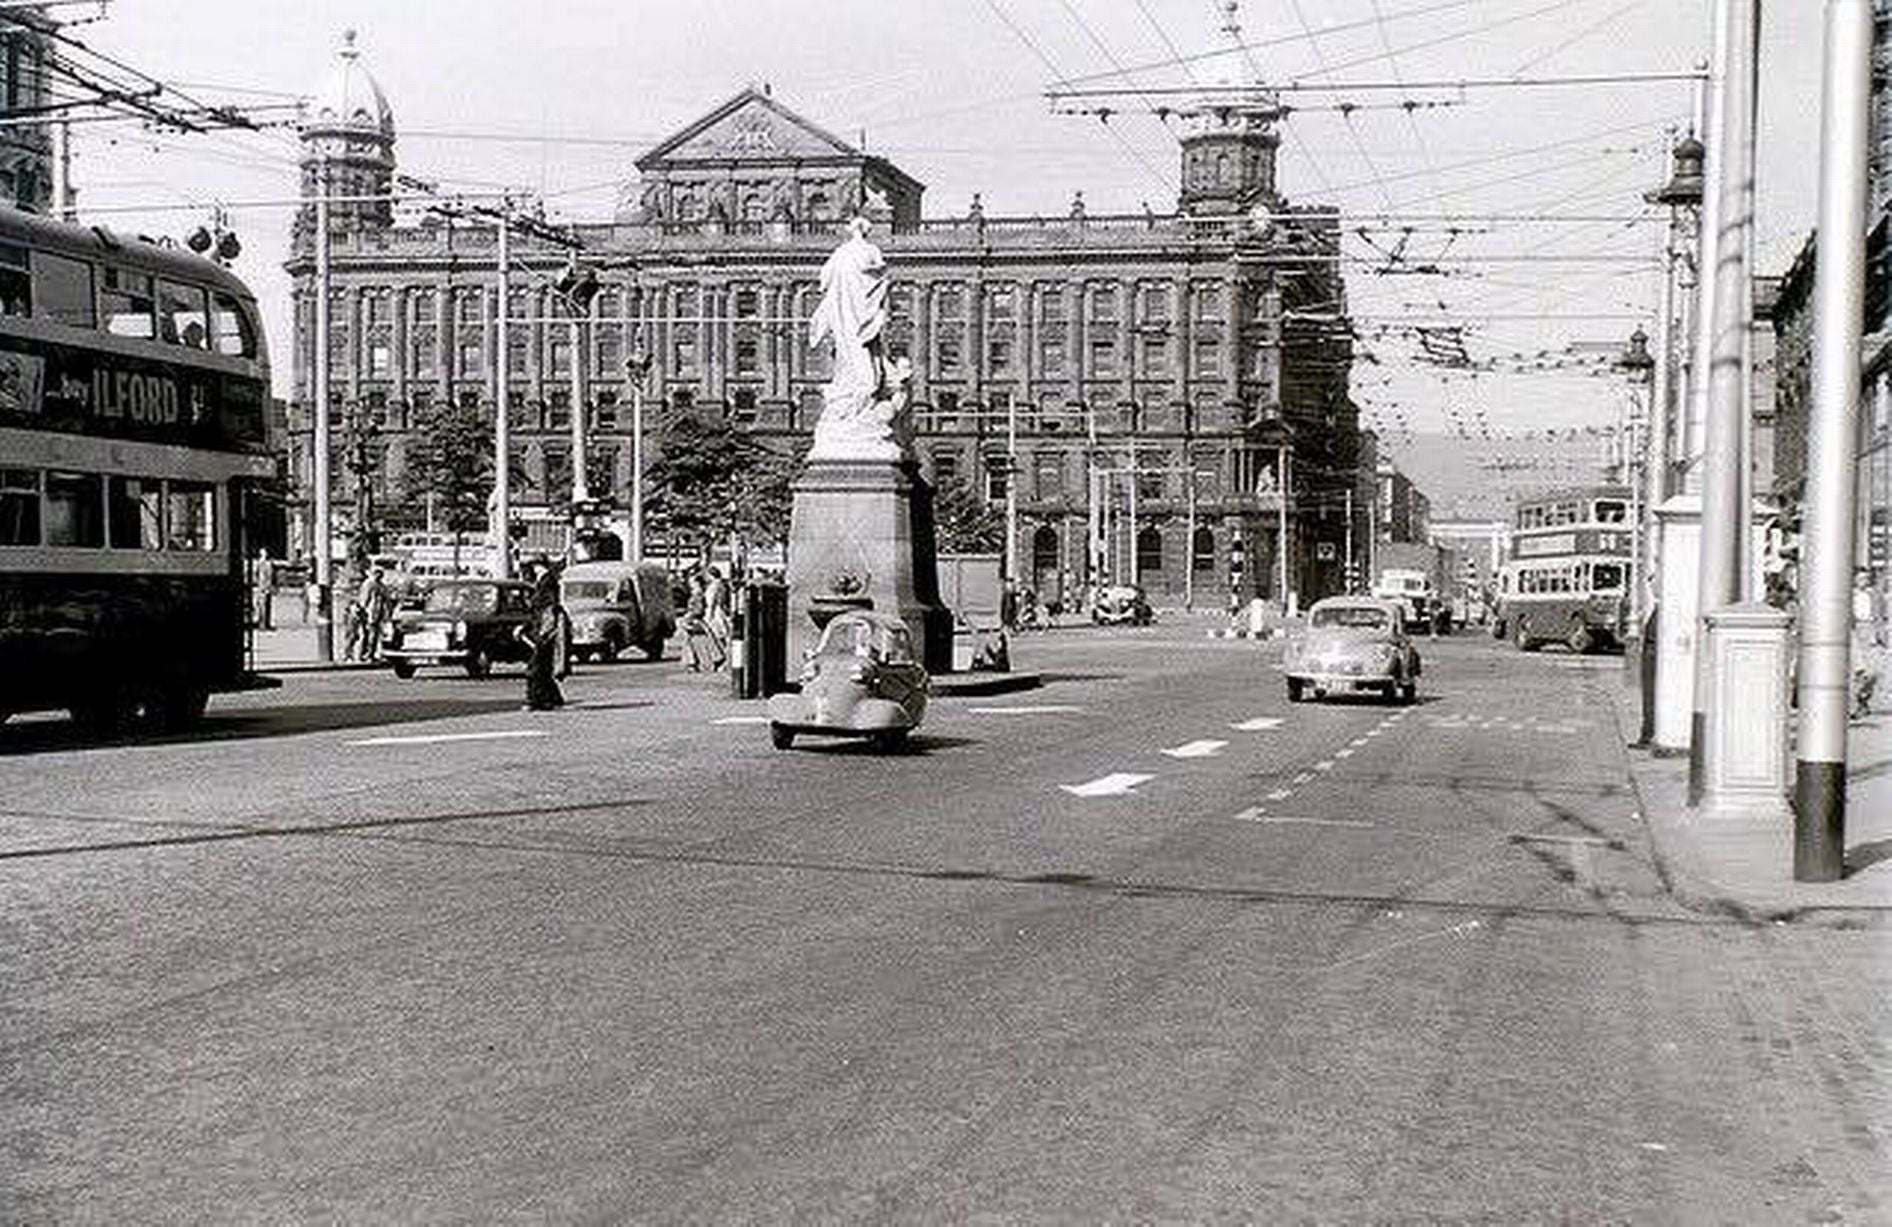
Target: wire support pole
501	529
1829	530
1727	384
320	530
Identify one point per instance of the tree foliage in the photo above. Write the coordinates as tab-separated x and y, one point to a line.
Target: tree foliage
710	479
966	522
450	460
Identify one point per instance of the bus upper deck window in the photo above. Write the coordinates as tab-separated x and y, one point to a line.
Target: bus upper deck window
182	319
236	331
125	303
1611	511
16	281
62	290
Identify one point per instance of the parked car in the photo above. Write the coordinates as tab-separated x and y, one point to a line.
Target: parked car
472	623
614	606
1119	604
861	680
1353	644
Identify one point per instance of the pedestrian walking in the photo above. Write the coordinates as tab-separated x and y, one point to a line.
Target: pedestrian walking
700	651
366	616
543	632
262	590
716	613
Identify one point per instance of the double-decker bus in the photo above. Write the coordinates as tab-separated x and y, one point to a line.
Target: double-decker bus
1567	573
133	386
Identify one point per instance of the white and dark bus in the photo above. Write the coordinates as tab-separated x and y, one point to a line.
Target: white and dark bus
133	389
1566	576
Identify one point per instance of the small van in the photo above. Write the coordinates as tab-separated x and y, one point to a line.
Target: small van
615	606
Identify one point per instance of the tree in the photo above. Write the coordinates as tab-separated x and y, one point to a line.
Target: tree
711	479
966	523
450	462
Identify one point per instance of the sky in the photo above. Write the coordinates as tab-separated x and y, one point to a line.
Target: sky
559	98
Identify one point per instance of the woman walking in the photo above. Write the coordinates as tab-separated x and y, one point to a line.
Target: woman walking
701	650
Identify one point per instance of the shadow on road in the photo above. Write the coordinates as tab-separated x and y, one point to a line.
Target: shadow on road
43	736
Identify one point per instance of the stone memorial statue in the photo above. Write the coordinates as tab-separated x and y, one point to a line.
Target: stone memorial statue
864	406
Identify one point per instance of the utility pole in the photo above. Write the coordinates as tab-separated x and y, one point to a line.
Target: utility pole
1281	540
1011	490
580	480
1351	571
62	172
319	442
1827	538
1721	582
502	407
1708	251
1189	537
1131	567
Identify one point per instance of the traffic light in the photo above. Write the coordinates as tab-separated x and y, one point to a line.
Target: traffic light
577	284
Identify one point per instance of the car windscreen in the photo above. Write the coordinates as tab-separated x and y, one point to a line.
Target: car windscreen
847	639
1353	616
593	590
461	599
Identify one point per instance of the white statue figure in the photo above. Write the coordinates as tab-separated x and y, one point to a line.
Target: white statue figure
864	404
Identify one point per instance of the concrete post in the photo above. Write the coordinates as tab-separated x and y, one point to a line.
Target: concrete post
1829	527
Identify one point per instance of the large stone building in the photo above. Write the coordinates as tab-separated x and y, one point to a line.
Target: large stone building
26	179
1163	372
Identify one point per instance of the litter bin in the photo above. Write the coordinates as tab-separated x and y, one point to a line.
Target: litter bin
758	637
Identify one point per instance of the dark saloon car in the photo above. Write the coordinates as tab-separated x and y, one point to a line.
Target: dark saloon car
862	680
467	622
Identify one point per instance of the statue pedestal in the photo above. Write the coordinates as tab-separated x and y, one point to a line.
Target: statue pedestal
871	522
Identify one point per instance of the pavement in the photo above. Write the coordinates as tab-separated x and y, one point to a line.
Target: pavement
1743	866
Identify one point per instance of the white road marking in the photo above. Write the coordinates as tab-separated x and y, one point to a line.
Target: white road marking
1280	794
1304	777
1116	784
1344	752
1196	749
1357	742
1044	709
740	720
1373	732
1315	822
1325	764
1257	724
430	739
1252	814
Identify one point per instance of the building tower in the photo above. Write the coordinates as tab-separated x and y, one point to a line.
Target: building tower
1229	139
348	147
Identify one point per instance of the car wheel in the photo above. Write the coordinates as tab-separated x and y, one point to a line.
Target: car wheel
1521	635
889	741
1408	693
654	649
1581	640
1297	690
611	648
479	664
403	669
781	736
101	717
182	707
1497	628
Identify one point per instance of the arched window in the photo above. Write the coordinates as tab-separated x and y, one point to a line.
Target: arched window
1149	550
1044	553
1202	550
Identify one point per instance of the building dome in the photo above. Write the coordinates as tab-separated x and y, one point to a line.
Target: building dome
350	98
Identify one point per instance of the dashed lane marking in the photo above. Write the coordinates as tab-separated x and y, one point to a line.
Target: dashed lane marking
1287	821
432	739
1280	794
1304	777
1325	764
1042	709
740	720
1345	752
1357	742
1116	784
1196	749
1257	725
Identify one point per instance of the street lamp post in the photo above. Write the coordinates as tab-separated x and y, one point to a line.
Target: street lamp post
638	368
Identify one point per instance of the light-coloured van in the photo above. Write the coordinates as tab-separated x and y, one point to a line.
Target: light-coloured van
615	606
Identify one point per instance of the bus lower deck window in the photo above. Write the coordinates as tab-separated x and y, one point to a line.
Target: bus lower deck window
126	303
62	290
136	512
19	506
75	510
190	517
236	331
16	282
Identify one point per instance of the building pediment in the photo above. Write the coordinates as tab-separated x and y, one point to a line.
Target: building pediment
751	127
